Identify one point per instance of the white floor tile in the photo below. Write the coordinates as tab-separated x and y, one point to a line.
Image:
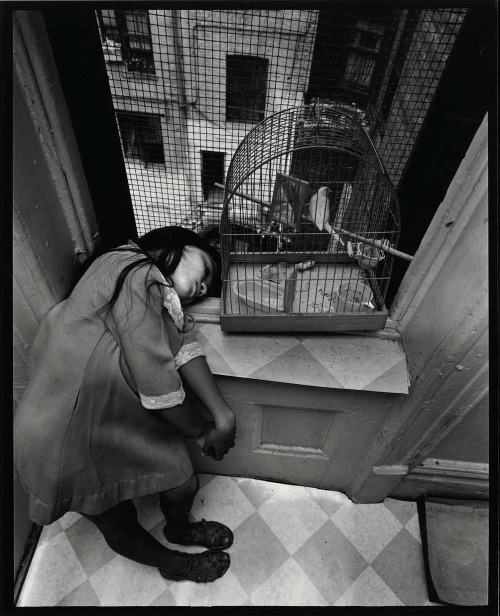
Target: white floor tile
54	572
288	586
293	515
413	526
224	591
369	527
222	501
329	501
122	582
69	518
368	590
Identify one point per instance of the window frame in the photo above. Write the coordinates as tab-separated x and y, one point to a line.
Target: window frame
136	129
136	59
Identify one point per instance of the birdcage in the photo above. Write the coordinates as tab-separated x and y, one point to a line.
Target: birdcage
310	226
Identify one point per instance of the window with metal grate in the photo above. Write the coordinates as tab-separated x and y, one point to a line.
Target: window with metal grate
141	136
126	37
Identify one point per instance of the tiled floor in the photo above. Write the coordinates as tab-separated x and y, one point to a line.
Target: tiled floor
293	546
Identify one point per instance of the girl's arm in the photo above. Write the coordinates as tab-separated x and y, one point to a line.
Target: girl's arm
200	379
185	418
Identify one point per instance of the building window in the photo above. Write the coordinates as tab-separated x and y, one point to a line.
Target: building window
351	55
246	82
362	55
126	36
141	136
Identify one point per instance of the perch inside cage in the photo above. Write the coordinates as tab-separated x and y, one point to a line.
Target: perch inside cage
309	228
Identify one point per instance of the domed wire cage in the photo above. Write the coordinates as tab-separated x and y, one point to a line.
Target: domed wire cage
308	222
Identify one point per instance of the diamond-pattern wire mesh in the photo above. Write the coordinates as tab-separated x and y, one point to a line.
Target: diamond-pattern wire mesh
188	86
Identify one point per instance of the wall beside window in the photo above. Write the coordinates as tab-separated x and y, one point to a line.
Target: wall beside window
442	311
54	223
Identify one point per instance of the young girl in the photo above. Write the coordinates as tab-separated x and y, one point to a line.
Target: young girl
105	415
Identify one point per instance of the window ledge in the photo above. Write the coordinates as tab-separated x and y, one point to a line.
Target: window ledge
138	76
371	361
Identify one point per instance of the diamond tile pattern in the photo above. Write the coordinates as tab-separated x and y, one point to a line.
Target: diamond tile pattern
357	522
294	546
372	363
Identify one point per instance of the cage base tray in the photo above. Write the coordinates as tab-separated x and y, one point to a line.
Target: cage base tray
289	323
249	304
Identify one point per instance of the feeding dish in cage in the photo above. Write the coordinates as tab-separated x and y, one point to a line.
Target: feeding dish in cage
341	192
368	256
274	291
354	297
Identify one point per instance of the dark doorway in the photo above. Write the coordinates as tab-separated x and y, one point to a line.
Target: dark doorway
212	171
74	38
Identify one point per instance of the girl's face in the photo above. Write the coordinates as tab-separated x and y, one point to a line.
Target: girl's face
194	275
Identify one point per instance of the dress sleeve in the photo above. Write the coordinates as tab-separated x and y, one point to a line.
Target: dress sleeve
142	336
189	349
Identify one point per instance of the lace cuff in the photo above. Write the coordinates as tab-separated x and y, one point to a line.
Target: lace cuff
187	352
166	401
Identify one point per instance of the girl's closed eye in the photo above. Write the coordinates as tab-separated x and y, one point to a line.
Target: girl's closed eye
209	274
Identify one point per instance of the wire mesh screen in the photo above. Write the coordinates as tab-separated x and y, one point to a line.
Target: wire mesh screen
189	85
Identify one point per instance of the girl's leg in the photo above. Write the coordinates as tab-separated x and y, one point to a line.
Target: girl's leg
176	505
124	534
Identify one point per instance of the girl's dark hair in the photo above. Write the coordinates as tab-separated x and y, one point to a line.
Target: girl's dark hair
171	242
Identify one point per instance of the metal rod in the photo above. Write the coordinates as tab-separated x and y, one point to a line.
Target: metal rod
238	194
376	243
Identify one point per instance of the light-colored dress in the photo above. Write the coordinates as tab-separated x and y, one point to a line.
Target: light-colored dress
87	434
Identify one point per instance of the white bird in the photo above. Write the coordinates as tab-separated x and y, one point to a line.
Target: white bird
319	209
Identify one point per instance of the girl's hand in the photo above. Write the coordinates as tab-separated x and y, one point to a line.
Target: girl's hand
220	439
208	426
